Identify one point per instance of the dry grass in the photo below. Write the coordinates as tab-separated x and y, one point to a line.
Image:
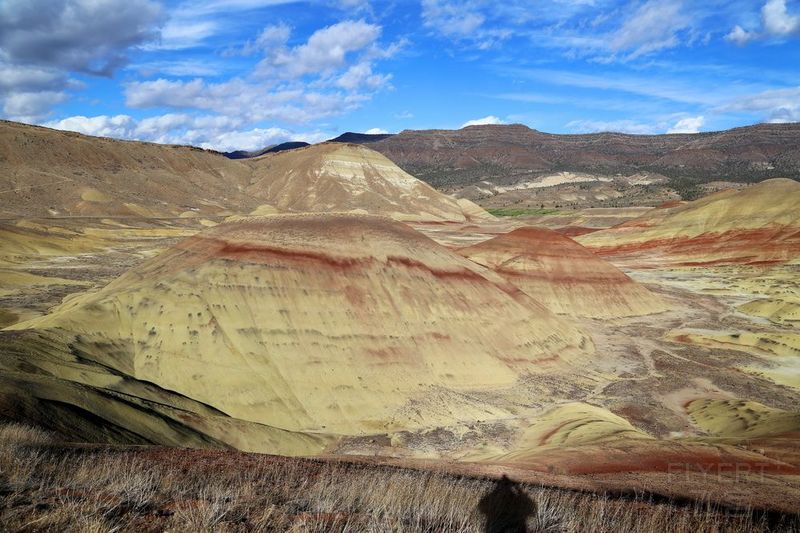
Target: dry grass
51	487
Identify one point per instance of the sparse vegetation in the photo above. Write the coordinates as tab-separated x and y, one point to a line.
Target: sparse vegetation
521	211
52	487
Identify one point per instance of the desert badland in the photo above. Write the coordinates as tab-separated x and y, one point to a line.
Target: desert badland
322	302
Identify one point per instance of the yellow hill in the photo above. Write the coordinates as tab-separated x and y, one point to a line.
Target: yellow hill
756	225
306	324
347	177
740	418
784	310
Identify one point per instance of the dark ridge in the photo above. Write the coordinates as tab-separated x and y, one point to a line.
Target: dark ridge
291	145
361	138
271	149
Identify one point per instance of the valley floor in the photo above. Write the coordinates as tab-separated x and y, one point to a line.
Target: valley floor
705	389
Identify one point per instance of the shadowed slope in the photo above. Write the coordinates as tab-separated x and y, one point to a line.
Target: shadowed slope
339	324
563	275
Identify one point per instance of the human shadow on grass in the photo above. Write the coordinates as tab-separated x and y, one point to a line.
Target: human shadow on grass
506	507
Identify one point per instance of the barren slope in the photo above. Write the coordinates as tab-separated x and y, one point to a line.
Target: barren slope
46	172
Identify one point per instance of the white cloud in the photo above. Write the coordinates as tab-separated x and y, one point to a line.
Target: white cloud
618	126
453	19
360	75
326	50
376	131
89	36
28	106
330	74
776	105
43	41
776	21
654	26
463	21
242	99
213	132
181	34
491	119
688	125
740	36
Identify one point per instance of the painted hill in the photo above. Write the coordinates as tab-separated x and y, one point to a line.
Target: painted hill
563	275
505	154
294	330
756	225
346	177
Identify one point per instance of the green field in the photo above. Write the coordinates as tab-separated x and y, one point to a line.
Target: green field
520	211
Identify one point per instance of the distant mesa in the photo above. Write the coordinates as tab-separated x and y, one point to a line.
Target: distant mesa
360	138
758	225
563	275
243	154
502	153
294	330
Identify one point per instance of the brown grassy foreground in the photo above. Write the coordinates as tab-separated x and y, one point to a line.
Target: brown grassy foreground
49	486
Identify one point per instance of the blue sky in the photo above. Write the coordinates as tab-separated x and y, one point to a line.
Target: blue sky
242	74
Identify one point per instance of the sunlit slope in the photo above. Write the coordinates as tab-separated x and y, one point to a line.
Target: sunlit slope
340	324
566	277
346	177
740	418
757	225
46	172
781	310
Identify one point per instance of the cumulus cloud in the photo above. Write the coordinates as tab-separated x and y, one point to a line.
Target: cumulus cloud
89	36
376	131
777	19
325	51
491	119
361	75
687	125
43	41
330	74
242	99
206	131
776	22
